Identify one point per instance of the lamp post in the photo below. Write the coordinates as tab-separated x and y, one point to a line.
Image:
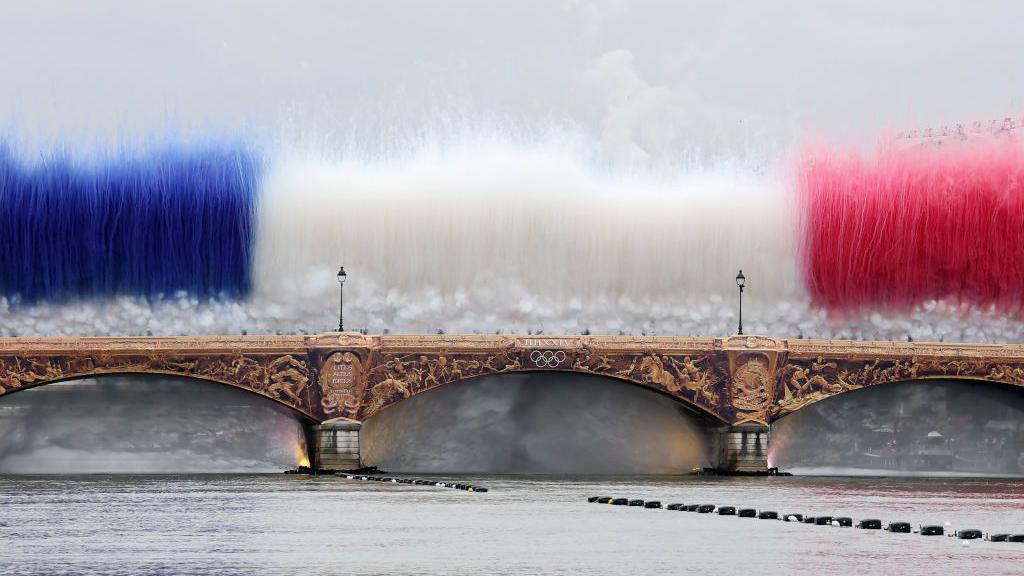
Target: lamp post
741	281
341	298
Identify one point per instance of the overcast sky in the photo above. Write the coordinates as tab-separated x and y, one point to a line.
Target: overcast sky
642	79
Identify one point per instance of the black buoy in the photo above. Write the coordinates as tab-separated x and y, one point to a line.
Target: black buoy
620	502
968	534
932	530
870	524
809	520
593	499
768	515
823	520
998	537
706	508
793	517
693	507
844	521
1015	538
746	513
652	504
675	507
726	510
899	527
637	502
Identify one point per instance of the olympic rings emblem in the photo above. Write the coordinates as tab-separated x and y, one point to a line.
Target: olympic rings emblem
547	358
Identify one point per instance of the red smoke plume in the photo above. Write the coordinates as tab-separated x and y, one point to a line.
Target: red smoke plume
908	226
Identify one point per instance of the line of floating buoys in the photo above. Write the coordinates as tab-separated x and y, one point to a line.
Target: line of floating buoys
414	481
838	521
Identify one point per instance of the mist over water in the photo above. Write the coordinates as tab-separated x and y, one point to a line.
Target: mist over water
145	424
931	427
540	423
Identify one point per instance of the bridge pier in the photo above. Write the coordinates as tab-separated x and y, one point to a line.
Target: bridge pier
337	446
743	449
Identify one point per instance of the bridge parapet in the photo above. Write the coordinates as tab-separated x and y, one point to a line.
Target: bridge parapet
276	367
685	368
737	380
812	370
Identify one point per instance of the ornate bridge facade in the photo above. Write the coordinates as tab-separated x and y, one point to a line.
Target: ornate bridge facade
741	383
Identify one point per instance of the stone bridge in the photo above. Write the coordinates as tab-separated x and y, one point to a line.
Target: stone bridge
336	380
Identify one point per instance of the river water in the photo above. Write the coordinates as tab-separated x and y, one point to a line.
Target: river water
278	524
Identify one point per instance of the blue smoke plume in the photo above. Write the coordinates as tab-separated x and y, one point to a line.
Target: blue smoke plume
172	220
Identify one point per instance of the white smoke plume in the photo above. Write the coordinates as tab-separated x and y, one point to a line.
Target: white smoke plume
517	424
145	424
483	232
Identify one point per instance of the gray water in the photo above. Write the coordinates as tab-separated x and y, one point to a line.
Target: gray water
282	524
277	524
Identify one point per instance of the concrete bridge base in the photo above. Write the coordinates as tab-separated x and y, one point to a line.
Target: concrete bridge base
337	446
744	449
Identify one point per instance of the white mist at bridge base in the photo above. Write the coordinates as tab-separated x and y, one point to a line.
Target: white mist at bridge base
932	428
145	425
541	423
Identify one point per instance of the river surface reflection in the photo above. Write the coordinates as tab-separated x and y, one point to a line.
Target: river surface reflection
277	524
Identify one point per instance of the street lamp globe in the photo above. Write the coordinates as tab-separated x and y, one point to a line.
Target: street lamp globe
341	275
741	280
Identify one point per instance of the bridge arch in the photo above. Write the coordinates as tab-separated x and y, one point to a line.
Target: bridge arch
689	378
148	423
387	393
283	379
184	376
984	383
929	424
807	381
539	421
